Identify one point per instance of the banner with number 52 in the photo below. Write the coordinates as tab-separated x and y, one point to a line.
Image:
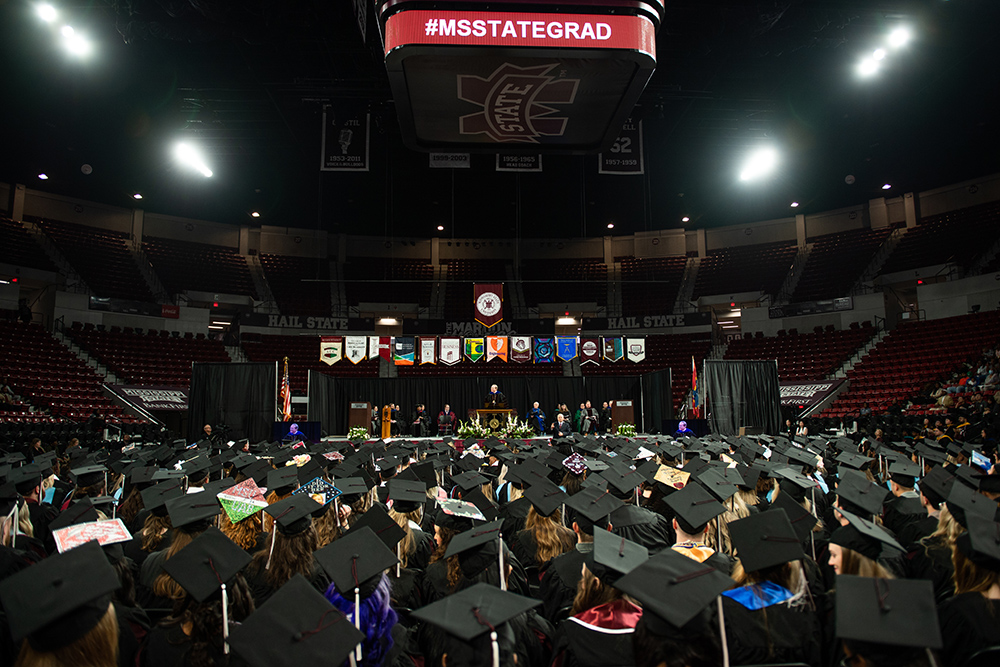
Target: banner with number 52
624	158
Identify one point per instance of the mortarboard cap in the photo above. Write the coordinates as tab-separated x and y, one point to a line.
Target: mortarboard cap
211	560
282	480
963	501
614	556
89	475
717	485
861	493
383	525
82	511
575	463
981	543
356	560
192	508
351	486
157	495
865	537
407	495
293	514
469	613
594	504
545	496
802	520
469	480
694	507
765	539
897	612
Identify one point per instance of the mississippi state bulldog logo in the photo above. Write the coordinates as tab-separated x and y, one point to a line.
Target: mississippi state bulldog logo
514	101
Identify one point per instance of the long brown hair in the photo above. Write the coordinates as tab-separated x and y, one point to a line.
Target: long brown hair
454	567
851	562
164	586
969	578
97	648
131	506
293	554
153	531
327	527
592	592
205	619
272	498
552	538
243	533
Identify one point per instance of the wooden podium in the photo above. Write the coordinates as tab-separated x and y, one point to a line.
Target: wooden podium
494	418
360	414
621	413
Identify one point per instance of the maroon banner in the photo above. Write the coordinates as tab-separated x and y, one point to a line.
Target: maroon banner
153	398
488	299
807	394
520	349
590	351
385	348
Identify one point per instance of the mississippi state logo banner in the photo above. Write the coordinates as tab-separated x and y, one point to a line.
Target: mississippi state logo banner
520	349
636	349
428	348
613	349
330	349
566	347
544	350
354	348
590	351
474	349
404	350
451	351
496	348
488	299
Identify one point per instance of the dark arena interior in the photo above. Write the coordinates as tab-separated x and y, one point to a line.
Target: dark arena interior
412	333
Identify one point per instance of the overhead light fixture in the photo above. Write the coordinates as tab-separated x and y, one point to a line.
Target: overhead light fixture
440	228
137	196
43	177
215	327
611	225
794	204
886	187
221	323
190	157
868	67
731	326
760	163
46	12
724	322
254	214
66	31
566	321
685	219
899	37
878	54
388	321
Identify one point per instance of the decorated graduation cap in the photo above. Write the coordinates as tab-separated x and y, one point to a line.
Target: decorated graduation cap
694	507
320	490
613	556
893	612
60	599
765	539
242	500
575	464
866	538
296	626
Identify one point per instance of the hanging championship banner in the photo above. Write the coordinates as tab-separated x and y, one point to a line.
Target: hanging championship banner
613	349
566	347
509	162
474	349
520	349
354	348
624	158
544	350
404	350
496	347
636	349
451	351
345	140
428	348
488	300
590	351
331	349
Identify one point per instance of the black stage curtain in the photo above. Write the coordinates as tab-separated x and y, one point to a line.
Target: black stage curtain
742	393
658	400
241	396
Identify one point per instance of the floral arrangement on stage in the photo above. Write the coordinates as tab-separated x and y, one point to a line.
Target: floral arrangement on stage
515	428
357	433
511	428
626	431
473	429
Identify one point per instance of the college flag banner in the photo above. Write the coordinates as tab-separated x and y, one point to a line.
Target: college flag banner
373	347
695	404
520	349
488	298
566	347
474	349
330	349
404	350
451	351
428	351
636	349
590	351
544	350
286	395
496	348
613	349
385	347
354	348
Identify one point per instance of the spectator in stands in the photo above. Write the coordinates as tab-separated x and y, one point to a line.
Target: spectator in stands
421	422
6	394
802	429
789	429
561	427
537	418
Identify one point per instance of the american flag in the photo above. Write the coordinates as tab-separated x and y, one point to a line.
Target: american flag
695	407
286	394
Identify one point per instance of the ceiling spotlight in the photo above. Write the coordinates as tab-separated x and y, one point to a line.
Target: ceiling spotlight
66	31
190	157
760	163
794	204
43	177
78	45
46	12
899	37
611	225
868	67
440	228
565	321
388	321
685	219
878	54
886	187
254	214
137	196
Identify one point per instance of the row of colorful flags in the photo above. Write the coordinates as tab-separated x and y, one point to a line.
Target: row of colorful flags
450	350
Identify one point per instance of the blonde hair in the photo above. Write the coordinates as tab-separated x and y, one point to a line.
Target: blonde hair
407	544
853	563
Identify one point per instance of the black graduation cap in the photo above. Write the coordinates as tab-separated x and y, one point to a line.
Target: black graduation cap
296	626
931	453
717	485
310	471
895	612
862	493
765	539
865	537
476	548
904	472
802	520
385	528
695	506
545	496
469	480
356	560
212	559
157	495
219	485
614	556
407	495
673	587
282	480
60	599
473	611
594	503
25	478
293	514
45	460
981	543
963	501
141	476
81	511
594	481
191	508
258	471
487	508
164	475
197	467
623	480
855	461
89	475
424	471
351	486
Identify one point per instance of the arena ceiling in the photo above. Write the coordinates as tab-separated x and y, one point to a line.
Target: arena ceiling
246	80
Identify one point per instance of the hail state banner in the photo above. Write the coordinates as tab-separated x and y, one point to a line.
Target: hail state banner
544	350
428	350
496	348
451	350
404	350
331	349
488	299
354	349
635	348
590	351
613	350
520	349
566	347
474	349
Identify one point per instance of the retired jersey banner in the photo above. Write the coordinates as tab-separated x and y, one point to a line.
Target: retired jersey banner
636	349
474	349
331	349
488	298
520	349
345	140
590	351
404	350
566	347
496	348
625	155
428	350
544	350
613	349
451	351
354	348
